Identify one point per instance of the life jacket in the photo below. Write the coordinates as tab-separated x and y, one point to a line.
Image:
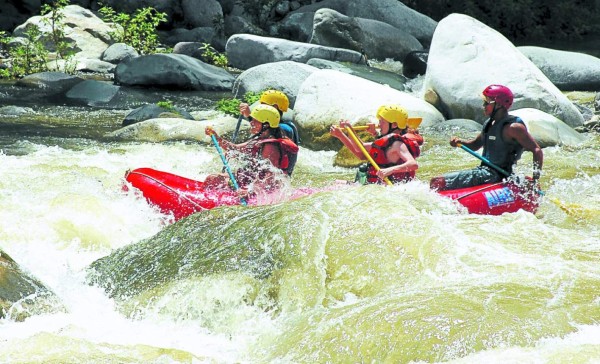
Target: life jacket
497	150
414	136
378	153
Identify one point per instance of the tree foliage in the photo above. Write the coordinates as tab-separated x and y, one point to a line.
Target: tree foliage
522	19
137	30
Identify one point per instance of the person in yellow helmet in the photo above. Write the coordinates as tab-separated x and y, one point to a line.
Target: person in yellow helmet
394	153
280	101
267	151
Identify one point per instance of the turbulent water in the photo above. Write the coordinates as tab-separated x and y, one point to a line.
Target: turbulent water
368	274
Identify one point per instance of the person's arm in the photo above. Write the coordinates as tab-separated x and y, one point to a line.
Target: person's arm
473	144
398	152
225	144
518	132
338	133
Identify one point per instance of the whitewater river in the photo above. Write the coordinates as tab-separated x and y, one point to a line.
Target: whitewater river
369	274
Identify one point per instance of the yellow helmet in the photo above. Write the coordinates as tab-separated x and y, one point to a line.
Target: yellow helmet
414	123
275	98
266	114
393	114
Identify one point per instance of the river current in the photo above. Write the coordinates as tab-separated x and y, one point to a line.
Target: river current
364	274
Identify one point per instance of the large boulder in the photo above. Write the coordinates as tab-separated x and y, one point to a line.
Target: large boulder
175	71
201	13
378	40
245	51
87	34
21	295
296	26
285	76
466	56
547	130
392	12
569	71
327	96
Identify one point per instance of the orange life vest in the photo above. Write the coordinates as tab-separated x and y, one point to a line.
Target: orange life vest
378	153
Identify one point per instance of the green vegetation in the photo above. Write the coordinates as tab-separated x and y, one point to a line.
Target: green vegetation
213	56
137	30
232	106
33	53
55	21
523	19
27	57
166	104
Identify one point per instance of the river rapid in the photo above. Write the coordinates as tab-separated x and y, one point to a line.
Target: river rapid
362	274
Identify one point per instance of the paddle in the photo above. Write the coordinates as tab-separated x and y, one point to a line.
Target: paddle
483	159
237	128
365	153
226	165
490	164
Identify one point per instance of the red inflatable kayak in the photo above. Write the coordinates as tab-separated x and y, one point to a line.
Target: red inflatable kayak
495	198
178	195
183	196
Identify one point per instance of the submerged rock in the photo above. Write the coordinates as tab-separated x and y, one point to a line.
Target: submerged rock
22	295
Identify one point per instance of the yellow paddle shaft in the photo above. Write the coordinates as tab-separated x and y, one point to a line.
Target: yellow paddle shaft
365	153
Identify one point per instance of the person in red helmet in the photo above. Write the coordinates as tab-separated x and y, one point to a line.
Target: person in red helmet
503	138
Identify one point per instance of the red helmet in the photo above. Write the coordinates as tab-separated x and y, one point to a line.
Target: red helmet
502	95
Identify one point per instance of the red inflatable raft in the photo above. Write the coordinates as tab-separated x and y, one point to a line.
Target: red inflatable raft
495	198
177	195
183	196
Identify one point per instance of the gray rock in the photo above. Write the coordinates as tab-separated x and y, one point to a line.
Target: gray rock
285	76
152	111
382	77
117	52
392	12
176	71
93	93
245	51
201	13
56	82
569	71
453	126
23	296
378	40
297	26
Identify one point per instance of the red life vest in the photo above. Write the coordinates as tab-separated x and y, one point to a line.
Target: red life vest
288	153
378	150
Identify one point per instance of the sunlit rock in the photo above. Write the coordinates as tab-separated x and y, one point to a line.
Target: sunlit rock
467	55
327	96
285	76
548	130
